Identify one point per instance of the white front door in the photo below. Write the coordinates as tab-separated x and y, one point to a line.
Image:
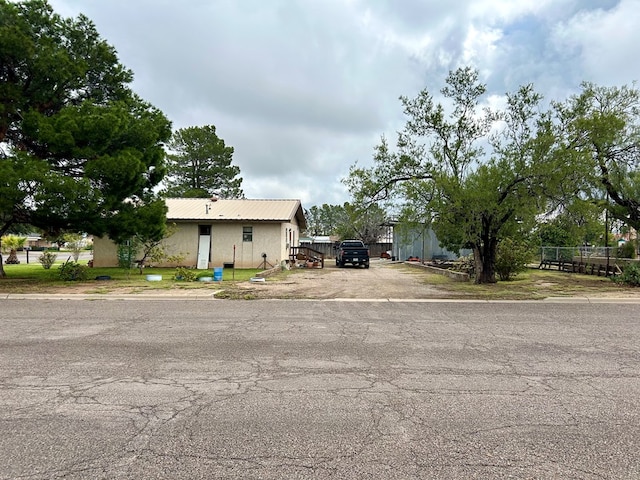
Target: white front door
204	248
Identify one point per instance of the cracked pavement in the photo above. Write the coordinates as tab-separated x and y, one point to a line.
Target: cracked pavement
264	389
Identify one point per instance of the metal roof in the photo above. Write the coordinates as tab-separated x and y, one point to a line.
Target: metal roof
242	209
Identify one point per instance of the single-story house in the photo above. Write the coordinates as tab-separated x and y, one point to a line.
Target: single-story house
217	232
36	242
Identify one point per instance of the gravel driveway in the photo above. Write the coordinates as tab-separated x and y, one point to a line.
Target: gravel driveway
383	279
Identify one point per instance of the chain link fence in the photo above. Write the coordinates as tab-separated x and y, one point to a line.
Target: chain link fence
567	254
590	260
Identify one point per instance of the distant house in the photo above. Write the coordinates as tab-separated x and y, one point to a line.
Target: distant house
318	239
213	232
35	241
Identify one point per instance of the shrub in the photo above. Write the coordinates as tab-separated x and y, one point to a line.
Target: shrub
186	274
73	271
627	250
47	259
630	276
511	259
126	254
73	241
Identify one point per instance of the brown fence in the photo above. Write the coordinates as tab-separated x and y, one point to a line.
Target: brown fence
589	260
328	250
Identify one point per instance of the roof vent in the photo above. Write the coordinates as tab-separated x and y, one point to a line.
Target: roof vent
214	199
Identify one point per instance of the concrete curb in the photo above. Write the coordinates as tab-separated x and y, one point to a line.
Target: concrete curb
210	295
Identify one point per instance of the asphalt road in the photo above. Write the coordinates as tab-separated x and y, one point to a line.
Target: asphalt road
318	389
61	257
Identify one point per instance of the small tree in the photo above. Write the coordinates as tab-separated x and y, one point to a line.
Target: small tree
11	244
156	252
146	248
73	241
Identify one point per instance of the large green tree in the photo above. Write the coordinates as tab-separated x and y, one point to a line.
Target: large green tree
600	129
314	221
575	222
476	176
351	220
200	165
80	151
325	219
364	222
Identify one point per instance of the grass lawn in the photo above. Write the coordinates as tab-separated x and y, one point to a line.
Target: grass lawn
33	278
533	284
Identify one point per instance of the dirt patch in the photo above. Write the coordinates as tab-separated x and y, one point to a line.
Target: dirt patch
383	279
390	280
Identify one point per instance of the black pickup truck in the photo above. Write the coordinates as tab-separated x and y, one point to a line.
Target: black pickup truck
352	251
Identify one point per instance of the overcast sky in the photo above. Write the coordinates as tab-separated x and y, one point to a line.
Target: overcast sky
302	89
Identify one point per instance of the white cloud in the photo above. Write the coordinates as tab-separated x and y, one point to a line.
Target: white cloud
602	43
302	89
480	46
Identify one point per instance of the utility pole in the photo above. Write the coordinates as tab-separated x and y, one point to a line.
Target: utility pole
606	235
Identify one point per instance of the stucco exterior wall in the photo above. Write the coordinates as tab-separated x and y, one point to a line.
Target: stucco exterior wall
274	239
105	252
265	239
183	242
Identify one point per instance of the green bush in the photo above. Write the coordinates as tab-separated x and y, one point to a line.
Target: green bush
627	250
72	271
630	276
186	274
127	254
511	259
47	259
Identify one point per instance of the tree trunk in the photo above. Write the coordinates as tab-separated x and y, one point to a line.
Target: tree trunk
2	272
12	259
484	256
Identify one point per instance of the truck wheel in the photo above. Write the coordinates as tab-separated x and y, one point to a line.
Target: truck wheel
366	265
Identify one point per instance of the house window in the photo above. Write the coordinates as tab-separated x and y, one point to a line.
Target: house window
247	234
205	229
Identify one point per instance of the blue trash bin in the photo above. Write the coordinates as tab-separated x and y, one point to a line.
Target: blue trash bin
217	274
